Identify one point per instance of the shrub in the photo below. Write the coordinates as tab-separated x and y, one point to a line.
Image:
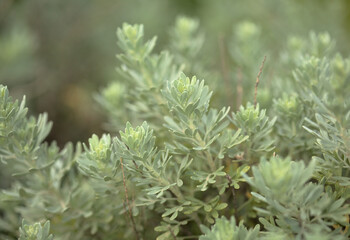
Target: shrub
275	168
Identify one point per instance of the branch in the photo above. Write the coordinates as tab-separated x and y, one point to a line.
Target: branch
239	89
235	207
258	81
127	201
172	233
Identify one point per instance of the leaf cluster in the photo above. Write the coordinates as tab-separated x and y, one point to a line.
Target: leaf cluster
180	165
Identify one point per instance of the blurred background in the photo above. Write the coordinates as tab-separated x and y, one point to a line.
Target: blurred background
60	53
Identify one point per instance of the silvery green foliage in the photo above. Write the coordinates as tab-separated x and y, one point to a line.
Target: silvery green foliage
35	231
295	206
257	126
225	229
44	182
175	167
144	74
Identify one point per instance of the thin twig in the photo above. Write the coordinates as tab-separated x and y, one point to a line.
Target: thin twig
235	206
230	182
239	88
225	71
258	81
127	201
125	210
172	233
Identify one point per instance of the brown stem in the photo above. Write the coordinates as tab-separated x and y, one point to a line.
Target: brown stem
127	201
239	88
172	233
258	81
233	195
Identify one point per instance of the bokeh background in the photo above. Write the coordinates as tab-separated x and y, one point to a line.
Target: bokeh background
59	53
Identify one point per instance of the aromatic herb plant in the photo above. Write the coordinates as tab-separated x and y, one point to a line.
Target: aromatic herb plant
183	160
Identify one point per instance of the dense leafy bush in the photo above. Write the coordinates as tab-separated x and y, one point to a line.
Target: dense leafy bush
182	166
65	51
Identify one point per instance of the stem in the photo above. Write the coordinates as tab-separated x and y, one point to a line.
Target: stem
233	196
127	202
150	84
190	237
210	161
177	192
258	81
248	151
201	142
172	233
174	189
239	88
